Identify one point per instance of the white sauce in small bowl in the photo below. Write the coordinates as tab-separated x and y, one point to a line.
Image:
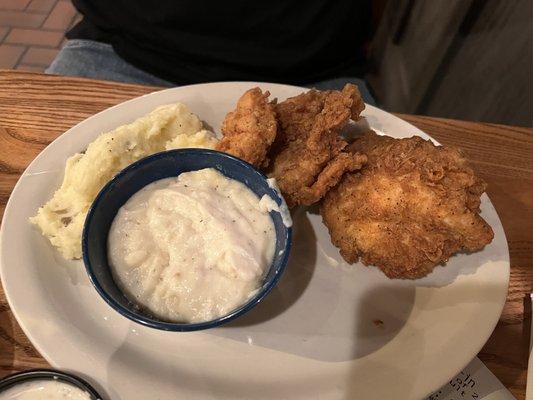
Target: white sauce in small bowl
192	248
44	390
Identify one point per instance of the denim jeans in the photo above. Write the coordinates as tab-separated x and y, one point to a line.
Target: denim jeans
90	59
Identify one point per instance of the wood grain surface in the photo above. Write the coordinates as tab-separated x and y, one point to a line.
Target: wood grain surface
35	109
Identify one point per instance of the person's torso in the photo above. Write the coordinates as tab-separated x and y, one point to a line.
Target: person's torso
189	41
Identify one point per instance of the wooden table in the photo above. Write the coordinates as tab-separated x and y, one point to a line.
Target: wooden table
35	109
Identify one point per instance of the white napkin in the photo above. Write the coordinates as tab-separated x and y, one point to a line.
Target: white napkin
475	382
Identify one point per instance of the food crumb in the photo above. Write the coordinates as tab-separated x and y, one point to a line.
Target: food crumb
379	323
66	220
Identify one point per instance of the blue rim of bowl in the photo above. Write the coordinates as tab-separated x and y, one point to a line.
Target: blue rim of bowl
176	326
48	374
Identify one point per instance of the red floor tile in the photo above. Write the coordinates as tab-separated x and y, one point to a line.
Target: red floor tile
43	6
3	32
34	37
39	56
30	68
14	4
9	55
21	19
61	16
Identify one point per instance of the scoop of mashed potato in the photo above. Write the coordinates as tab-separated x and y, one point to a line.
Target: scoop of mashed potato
168	127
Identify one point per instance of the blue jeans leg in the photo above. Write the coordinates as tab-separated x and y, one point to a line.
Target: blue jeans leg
91	59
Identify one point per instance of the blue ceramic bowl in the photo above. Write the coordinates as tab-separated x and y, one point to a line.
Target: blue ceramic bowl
44	375
138	175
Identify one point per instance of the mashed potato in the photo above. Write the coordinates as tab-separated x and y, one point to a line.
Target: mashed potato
168	127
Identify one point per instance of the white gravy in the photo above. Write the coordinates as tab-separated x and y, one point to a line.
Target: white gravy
192	248
44	390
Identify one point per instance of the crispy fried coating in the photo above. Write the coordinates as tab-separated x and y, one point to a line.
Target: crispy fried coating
410	208
250	130
307	158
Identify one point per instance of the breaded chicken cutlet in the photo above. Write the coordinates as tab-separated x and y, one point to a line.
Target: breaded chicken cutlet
308	157
250	130
410	208
296	141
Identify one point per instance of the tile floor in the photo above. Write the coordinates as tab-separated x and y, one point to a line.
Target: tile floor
33	31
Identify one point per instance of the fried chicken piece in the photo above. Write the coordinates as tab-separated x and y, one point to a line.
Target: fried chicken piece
307	158
411	207
250	130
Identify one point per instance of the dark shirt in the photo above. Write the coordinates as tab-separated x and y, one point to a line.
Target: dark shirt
192	41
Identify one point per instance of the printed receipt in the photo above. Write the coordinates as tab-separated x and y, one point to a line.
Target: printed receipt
475	382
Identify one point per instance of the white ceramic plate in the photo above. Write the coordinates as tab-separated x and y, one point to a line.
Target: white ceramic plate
314	336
